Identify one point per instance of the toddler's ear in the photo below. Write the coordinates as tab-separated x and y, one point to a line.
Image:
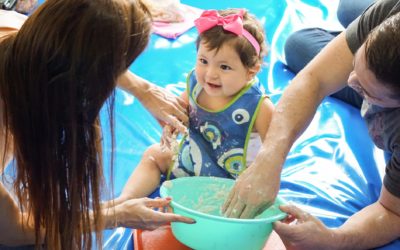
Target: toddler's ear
253	71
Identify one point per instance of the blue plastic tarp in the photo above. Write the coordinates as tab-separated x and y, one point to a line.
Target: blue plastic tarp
332	171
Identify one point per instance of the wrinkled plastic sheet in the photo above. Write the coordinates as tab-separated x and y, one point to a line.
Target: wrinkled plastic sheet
332	171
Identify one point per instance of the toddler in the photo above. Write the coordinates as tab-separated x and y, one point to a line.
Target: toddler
227	109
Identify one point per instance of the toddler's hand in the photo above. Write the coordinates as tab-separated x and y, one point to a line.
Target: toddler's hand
168	138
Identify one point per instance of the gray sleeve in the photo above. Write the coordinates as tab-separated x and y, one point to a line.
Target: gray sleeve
392	176
391	137
359	29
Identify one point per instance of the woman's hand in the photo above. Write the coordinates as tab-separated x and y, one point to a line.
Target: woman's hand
141	213
164	106
301	230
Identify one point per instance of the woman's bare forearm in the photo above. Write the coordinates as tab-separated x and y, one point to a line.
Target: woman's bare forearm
14	226
134	84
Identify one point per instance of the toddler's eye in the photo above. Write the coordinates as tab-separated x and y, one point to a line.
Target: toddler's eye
225	67
203	61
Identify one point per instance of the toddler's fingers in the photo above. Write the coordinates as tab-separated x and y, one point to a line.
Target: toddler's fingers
177	124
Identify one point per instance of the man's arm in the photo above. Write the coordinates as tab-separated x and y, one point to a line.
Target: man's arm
324	75
373	226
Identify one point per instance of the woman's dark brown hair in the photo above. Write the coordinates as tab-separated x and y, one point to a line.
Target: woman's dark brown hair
56	74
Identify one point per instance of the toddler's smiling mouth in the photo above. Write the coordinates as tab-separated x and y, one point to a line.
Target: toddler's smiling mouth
213	85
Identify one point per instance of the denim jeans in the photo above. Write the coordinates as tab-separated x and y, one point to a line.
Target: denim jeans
348	10
303	45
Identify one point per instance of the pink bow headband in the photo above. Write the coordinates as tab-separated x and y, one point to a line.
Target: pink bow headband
232	23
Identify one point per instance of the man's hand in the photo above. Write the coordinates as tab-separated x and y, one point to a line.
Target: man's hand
254	191
301	230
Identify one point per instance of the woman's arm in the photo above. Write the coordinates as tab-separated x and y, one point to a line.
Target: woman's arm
140	213
166	107
14	227
134	213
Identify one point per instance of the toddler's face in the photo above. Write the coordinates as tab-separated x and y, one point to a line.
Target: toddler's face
222	73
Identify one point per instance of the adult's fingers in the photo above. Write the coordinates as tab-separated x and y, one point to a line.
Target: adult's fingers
182	106
178	107
249	212
160	217
159	202
236	208
163	217
289	219
296	212
284	230
166	135
176	123
228	200
177	218
180	114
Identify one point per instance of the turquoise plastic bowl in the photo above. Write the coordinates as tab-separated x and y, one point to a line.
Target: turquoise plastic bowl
201	198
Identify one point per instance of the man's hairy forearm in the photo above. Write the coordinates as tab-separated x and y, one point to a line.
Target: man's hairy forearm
292	115
371	227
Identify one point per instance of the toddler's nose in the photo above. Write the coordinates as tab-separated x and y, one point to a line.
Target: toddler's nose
211	74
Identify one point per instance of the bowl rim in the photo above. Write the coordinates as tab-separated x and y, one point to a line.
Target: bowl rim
279	216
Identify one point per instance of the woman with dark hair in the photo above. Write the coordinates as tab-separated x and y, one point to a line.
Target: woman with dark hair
56	73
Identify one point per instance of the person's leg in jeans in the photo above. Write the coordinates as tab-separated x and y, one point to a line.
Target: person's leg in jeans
349	10
303	45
